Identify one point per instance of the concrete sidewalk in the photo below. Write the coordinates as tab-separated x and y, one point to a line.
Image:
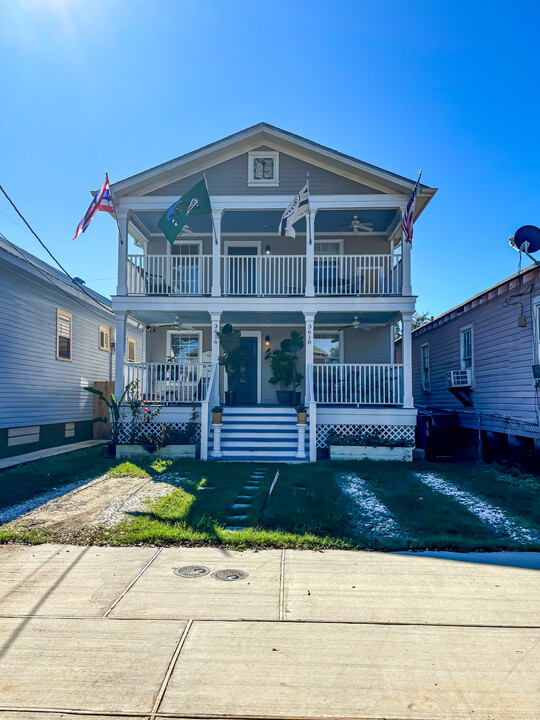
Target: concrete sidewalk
115	632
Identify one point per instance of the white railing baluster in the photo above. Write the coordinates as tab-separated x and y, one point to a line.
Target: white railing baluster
358	384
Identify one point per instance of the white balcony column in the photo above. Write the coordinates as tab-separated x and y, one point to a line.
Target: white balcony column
216	253
406	346
405	265
120	353
310	253
308	342
122	219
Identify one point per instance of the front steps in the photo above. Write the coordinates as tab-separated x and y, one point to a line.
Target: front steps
264	434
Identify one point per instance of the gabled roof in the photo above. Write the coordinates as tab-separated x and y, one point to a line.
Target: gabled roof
22	258
265	134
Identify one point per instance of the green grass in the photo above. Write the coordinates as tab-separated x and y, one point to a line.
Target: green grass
306	510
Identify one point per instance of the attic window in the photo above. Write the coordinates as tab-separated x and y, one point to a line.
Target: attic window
263	168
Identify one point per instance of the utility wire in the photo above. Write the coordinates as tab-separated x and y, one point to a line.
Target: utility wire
52	279
98	302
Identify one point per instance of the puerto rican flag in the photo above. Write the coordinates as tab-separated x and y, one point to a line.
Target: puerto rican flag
102	202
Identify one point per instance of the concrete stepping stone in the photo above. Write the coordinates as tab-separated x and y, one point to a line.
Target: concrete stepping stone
237	506
236	518
232	528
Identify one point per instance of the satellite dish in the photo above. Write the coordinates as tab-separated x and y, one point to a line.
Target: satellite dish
526	240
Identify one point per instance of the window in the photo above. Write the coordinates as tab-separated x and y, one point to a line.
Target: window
328	247
466	347
326	348
186	248
63	335
263	168
185	346
69	429
424	366
131	350
104	338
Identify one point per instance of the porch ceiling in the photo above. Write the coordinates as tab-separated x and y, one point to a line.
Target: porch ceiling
262	221
263	319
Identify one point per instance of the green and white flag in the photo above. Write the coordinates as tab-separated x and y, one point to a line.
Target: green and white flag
195	202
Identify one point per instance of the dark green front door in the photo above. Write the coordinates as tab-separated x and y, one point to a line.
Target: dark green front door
246	390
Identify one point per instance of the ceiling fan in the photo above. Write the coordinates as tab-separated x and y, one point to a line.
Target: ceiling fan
176	325
356	226
356	325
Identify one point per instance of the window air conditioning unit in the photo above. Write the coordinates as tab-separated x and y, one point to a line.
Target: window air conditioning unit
459	378
536	373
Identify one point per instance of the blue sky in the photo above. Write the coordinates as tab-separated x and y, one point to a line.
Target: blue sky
452	88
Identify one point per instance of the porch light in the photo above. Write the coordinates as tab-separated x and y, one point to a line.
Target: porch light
267	249
267	341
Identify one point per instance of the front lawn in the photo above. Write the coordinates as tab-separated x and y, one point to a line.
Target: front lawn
309	507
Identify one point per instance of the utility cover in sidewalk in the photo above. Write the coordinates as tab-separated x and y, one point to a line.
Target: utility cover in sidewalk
191	571
229	575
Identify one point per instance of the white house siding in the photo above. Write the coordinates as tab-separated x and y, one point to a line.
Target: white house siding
230	178
502	356
35	387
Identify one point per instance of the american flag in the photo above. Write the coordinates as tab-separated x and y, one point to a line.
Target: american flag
407	219
102	202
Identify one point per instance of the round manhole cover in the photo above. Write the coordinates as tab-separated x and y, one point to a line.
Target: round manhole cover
191	571
229	575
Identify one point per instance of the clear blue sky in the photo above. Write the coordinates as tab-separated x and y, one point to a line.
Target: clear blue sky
449	87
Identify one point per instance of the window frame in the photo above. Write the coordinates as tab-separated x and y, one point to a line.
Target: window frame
536	329
330	331
319	241
132	342
254	182
107	334
427	380
199	333
462	331
70	316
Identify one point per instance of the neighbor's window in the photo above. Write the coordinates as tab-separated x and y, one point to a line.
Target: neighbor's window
424	361
325	348
63	335
466	347
185	346
263	168
130	350
104	338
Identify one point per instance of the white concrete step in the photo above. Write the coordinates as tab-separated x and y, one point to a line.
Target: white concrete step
259	410
258	426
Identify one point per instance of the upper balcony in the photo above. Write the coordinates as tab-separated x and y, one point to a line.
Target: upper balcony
264	275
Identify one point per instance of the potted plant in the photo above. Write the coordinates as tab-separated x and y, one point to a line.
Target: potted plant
229	339
217	415
283	363
301	414
114	409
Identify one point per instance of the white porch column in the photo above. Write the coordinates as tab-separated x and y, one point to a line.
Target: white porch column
308	342
216	253
310	253
406	346
406	264
122	218
215	319
120	353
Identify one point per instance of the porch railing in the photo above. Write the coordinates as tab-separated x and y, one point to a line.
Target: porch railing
352	384
210	399
263	274
170	383
357	275
169	274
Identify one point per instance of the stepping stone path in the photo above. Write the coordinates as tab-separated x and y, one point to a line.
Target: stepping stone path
242	503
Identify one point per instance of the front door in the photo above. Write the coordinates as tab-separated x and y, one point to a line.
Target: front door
246	389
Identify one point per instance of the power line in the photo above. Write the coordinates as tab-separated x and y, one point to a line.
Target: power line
51	278
98	302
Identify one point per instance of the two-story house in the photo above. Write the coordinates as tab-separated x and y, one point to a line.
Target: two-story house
343	282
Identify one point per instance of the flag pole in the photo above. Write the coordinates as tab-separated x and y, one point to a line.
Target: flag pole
114	208
308	220
214	233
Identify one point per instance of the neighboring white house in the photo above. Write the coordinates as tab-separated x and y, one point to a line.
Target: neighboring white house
54	340
346	268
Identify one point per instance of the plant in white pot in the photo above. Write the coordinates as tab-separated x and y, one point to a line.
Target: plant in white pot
283	362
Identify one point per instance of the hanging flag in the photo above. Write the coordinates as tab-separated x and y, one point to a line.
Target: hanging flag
195	202
102	202
407	219
298	208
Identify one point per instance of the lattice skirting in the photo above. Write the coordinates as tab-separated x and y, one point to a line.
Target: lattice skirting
125	429
391	432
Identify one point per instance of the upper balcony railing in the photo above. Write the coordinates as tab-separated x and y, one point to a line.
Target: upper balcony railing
265	275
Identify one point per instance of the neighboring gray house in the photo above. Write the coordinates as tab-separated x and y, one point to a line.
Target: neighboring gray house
54	340
477	359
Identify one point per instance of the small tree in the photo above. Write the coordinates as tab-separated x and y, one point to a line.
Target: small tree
229	339
283	362
418	319
114	407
